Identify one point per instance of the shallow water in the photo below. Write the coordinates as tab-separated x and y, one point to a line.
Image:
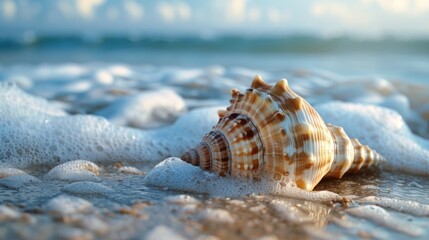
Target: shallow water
135	209
113	202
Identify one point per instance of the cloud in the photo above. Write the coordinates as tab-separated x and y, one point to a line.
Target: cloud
412	7
236	10
274	15
167	11
339	11
184	11
9	9
135	10
170	12
86	7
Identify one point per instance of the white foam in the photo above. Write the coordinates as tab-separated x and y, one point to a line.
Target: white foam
174	173
180	76
216	215
406	206
182	199
289	211
17	104
8	213
382	217
64	204
145	110
8	171
64	71
383	130
19	181
163	232
130	170
94	224
186	132
86	187
104	77
32	132
22	81
77	170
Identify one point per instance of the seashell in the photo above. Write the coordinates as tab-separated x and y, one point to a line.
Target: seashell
270	131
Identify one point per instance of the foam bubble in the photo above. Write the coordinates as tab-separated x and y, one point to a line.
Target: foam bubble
22	81
77	170
16	178
163	232
289	212
8	213
406	206
120	71
64	204
145	110
104	77
382	217
182	199
63	71
8	171
130	170
176	174
94	224
216	215
17	104
19	181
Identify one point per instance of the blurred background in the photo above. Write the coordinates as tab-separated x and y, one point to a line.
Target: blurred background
388	37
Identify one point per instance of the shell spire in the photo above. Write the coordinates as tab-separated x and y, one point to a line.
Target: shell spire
270	131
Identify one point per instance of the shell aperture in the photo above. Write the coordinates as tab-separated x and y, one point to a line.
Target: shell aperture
270	131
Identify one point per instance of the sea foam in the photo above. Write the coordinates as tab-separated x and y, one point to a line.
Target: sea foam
173	173
77	170
33	132
145	110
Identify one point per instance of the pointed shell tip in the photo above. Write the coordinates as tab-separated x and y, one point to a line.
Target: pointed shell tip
222	113
282	84
258	82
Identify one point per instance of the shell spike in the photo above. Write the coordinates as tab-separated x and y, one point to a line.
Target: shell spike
222	113
282	85
259	83
235	92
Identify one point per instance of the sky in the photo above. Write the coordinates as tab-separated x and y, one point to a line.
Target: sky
360	18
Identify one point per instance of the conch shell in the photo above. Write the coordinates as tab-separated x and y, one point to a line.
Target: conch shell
270	131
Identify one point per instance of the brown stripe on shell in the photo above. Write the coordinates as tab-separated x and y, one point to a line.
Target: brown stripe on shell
203	151
359	157
195	157
344	152
220	154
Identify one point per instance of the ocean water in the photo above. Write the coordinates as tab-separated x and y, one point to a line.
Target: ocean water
90	132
